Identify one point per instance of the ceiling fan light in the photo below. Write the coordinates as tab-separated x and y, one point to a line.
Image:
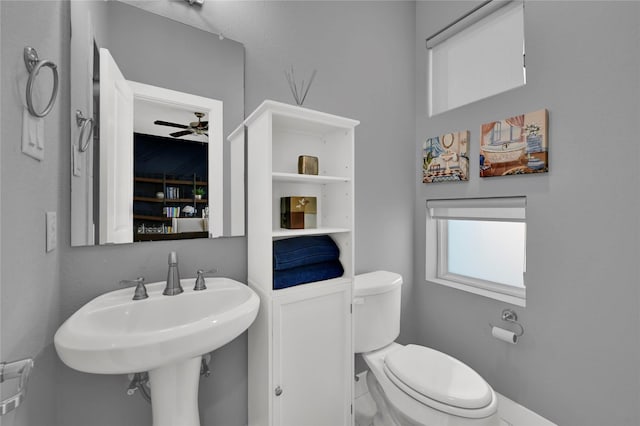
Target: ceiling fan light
195	2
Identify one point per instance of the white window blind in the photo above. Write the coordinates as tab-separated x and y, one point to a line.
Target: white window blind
504	209
482	60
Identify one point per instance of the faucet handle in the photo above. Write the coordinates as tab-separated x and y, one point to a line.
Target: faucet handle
200	285
140	291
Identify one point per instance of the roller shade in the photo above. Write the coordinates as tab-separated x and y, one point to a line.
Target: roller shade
503	209
481	60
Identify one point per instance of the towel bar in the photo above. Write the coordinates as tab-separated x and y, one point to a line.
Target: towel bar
15	370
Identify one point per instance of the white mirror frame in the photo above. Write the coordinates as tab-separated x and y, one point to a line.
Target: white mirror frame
213	109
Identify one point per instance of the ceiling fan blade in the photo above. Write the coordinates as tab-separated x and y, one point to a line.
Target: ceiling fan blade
204	124
181	133
167	123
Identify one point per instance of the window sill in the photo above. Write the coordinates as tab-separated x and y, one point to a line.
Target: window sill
514	300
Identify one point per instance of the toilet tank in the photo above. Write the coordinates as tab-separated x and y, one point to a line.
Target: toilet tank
376	310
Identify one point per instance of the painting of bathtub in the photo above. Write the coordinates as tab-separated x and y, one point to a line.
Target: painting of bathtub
514	146
445	158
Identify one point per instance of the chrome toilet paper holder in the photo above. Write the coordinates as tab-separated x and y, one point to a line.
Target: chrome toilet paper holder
511	317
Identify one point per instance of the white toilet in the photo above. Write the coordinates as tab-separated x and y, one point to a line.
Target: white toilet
413	385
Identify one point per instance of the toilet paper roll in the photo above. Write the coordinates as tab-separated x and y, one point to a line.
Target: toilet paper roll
504	335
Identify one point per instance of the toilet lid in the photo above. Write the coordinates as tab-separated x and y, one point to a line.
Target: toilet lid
439	377
377	282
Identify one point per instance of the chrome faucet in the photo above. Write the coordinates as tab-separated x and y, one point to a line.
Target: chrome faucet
173	277
140	291
200	282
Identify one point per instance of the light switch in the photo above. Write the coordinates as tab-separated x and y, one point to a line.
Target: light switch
52	231
77	171
32	135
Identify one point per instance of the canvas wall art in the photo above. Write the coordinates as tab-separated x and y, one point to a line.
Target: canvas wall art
445	158
515	146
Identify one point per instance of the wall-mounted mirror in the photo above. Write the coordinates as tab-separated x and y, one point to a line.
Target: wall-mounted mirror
150	161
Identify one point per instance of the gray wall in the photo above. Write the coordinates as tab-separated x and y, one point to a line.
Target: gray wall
577	364
364	55
30	305
363	51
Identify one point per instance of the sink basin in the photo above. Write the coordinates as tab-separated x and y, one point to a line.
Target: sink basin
165	335
113	334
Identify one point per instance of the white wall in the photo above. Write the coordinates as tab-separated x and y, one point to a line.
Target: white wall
30	303
577	362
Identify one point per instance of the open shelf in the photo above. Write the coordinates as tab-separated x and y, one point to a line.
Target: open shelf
169	181
151	208
296	177
168	200
309	231
171	236
152	218
306	323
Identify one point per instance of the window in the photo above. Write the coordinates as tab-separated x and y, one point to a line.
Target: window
478	245
480	55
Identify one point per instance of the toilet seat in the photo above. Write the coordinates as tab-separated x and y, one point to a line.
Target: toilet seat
414	404
426	373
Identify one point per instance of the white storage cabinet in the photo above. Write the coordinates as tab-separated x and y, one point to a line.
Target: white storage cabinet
300	345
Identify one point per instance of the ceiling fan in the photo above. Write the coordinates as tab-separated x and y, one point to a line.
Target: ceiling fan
195	127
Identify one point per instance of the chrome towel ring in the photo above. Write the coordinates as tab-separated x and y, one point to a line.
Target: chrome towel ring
83	122
34	64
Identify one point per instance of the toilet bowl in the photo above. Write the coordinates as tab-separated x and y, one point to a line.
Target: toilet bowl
413	384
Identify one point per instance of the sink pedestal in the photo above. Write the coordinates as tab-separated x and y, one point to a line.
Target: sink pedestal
174	393
104	337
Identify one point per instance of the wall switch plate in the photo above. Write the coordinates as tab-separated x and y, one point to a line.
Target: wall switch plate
52	231
32	135
77	158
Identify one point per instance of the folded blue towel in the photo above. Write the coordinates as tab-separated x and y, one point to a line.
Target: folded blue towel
300	251
306	274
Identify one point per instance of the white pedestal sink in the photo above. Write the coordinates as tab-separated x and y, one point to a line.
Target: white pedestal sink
164	335
177	403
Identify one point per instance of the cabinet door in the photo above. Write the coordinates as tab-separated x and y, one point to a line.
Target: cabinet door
313	359
116	153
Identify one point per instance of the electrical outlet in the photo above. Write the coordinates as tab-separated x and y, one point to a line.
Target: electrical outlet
52	231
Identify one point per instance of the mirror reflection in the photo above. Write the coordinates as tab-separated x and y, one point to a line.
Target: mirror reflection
153	164
170	171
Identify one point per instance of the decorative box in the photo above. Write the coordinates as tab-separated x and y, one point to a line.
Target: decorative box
307	165
298	212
